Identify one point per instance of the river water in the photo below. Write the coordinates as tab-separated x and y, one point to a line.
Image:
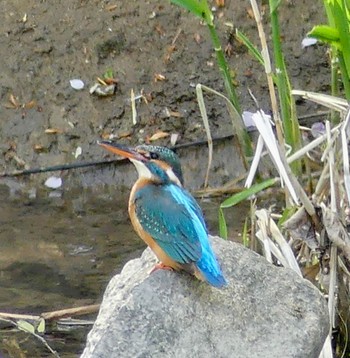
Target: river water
59	249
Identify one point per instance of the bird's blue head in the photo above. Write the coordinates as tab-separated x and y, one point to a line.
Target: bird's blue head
156	163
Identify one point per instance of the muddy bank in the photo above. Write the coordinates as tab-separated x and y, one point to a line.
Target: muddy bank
45	45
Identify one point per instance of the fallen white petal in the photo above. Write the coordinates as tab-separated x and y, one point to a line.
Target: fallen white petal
77	84
318	129
248	119
78	152
308	41
53	182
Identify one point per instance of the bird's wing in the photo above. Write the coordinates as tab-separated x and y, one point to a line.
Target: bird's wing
173	218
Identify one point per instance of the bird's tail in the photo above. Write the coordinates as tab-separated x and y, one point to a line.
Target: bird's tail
209	269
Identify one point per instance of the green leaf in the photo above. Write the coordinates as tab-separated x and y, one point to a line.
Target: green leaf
41	326
287	213
251	47
342	22
274	4
325	33
199	8
222	225
108	74
245	236
25	326
245	194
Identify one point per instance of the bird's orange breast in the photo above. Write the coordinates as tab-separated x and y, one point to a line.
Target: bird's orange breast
147	238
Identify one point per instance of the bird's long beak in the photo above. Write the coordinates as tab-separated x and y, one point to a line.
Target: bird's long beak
122	150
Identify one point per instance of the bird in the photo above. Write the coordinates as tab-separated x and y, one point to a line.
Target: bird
165	215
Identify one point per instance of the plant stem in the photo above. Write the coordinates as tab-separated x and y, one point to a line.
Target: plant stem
345	76
242	134
289	119
224	68
202	10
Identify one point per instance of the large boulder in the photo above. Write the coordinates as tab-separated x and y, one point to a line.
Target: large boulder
266	311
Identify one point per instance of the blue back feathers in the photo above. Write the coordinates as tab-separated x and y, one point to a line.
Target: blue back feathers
175	221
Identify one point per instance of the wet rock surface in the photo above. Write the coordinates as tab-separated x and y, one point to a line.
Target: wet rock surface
266	311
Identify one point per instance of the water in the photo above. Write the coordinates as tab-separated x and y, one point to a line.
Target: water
60	252
59	249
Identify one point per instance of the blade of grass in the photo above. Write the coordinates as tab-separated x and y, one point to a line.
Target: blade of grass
283	245
344	142
255	163
337	34
325	33
245	194
133	107
199	8
222	224
336	103
203	111
268	70
239	130
341	17
250	46
245	236
287	104
264	127
332	301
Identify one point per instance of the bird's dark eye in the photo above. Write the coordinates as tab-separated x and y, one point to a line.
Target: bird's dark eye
153	155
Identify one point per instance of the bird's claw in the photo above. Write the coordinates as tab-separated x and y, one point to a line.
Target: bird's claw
161	266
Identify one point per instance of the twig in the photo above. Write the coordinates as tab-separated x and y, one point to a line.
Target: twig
75	311
5	315
313	115
133	107
52	315
178	32
307	148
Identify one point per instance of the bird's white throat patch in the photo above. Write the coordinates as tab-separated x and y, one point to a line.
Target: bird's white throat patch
173	177
142	170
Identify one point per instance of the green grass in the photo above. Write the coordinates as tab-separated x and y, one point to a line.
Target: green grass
337	34
334	179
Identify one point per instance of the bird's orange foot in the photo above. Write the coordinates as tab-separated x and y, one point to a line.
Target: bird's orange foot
161	266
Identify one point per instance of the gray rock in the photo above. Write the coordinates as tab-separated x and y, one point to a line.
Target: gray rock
265	311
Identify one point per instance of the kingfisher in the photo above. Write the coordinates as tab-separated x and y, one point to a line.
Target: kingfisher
166	216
